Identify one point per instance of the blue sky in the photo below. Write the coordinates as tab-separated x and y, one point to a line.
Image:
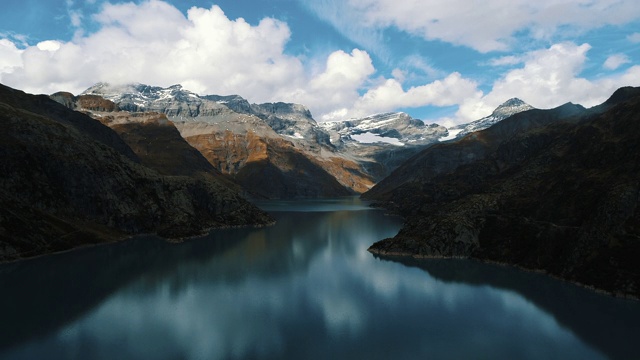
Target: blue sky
446	61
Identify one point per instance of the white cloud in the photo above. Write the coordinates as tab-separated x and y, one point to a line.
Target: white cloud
10	56
49	45
390	95
485	26
155	43
337	86
505	61
344	70
549	78
634	38
615	61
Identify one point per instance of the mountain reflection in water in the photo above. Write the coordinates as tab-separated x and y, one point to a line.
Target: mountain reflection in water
304	288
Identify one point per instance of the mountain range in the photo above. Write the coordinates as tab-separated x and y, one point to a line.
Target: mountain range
552	190
281	141
548	190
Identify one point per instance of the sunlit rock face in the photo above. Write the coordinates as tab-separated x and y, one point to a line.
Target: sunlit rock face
273	150
232	134
553	190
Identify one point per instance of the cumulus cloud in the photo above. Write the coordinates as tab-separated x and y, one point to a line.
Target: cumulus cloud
615	61
155	43
491	25
634	38
390	95
548	78
10	56
205	51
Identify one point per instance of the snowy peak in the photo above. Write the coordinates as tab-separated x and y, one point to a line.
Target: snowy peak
396	128
511	107
291	120
136	90
507	109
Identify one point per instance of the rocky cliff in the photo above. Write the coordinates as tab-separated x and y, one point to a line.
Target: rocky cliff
69	180
554	190
266	166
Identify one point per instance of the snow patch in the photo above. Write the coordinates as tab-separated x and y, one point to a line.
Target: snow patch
370	138
452	134
296	135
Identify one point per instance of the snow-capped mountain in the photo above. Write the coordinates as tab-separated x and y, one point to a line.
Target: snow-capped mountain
293	121
395	128
507	109
176	102
244	139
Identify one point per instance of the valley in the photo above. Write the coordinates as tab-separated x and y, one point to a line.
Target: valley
510	188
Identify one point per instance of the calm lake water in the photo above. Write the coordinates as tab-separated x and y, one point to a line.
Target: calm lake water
303	289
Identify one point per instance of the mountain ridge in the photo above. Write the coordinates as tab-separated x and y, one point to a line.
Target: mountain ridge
503	111
547	190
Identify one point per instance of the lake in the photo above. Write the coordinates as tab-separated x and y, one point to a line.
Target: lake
305	288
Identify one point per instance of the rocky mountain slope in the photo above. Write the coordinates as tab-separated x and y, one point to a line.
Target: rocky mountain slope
272	150
153	138
69	181
397	129
384	141
356	153
551	190
245	140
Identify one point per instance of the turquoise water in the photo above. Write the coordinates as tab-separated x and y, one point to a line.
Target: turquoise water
305	288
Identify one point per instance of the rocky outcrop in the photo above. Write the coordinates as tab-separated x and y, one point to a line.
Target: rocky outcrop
71	181
561	195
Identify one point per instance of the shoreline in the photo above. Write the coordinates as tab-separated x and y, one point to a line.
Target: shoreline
391	255
118	239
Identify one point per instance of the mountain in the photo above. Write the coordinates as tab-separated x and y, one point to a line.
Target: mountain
271	150
446	157
505	110
245	140
382	142
181	105
68	180
154	139
397	129
549	190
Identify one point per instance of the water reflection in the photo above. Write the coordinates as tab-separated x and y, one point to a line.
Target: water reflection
305	288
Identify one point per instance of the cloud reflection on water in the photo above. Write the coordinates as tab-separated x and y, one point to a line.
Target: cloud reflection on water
307	288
